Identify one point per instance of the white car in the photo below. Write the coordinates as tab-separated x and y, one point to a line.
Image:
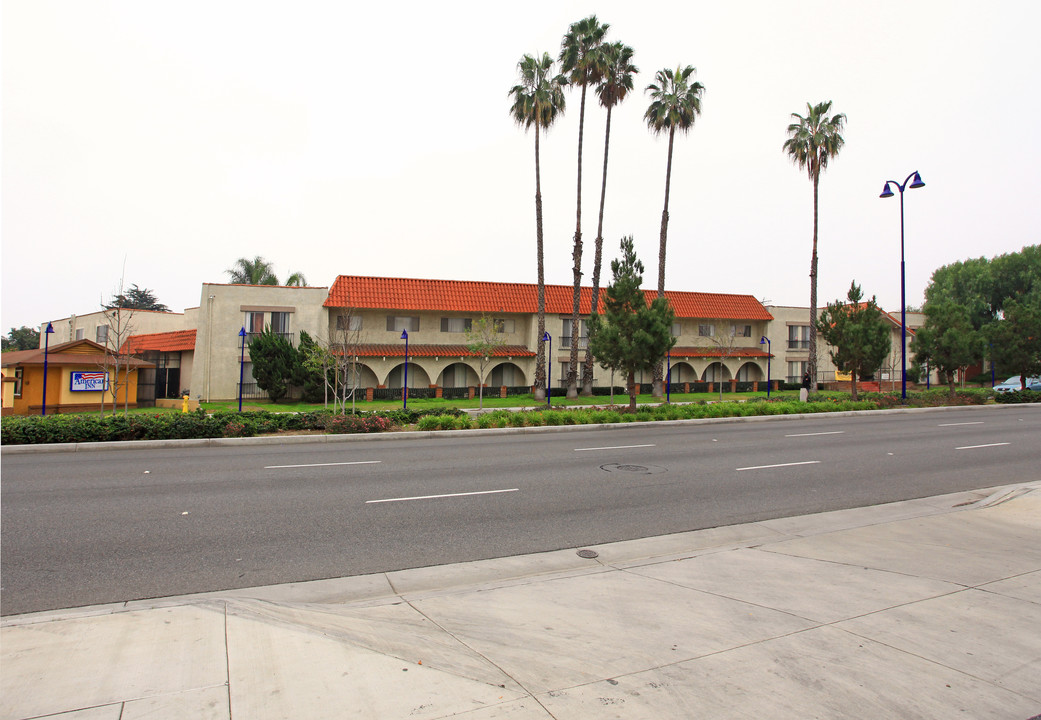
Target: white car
1013	384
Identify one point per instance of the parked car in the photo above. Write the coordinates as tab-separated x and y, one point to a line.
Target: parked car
1013	384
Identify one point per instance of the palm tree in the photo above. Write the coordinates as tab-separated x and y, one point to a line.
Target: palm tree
614	86
675	103
581	58
257	271
538	100
812	141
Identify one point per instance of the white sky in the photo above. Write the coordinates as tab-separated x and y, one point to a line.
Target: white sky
332	138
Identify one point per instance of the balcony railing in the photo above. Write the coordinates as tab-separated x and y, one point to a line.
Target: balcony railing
251	336
798	344
565	342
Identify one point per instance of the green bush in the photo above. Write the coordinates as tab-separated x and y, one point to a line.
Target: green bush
1020	396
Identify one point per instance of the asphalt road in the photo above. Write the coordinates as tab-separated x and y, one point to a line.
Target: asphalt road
108	526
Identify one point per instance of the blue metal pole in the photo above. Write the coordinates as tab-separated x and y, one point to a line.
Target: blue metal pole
242	364
546	337
769	357
404	405
46	349
668	374
903	305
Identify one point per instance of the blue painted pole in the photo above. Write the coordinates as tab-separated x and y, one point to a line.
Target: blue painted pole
242	364
546	337
46	348
404	336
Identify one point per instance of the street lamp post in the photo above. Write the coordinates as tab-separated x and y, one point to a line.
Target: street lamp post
668	374
769	357
46	348
916	182
546	337
404	405
242	364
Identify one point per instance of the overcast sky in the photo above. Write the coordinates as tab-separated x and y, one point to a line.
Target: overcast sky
336	138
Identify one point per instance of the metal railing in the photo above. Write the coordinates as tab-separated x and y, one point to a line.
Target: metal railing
798	344
251	336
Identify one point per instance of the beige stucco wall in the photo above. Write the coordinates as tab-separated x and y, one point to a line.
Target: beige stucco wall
220	317
139	322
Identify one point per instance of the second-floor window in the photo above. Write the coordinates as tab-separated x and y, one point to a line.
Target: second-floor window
280	323
741	330
706	330
254	323
677	329
583	334
455	325
397	323
798	337
348	322
503	325
101	334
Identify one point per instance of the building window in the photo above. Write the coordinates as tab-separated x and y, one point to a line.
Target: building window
79	333
396	323
101	334
503	325
280	323
706	330
677	329
455	325
18	382
254	323
351	323
796	369
799	338
583	334
741	330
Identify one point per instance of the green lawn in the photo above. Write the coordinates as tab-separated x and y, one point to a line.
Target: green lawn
522	401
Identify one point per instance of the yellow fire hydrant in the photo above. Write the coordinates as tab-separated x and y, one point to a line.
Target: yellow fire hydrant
184	404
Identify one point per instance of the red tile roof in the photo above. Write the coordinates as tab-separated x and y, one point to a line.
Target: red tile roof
445	351
493	297
163	342
751	352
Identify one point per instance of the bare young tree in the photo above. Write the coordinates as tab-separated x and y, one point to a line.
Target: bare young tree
117	359
725	342
337	359
482	339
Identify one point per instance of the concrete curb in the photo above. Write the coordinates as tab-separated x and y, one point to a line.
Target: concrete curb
434	434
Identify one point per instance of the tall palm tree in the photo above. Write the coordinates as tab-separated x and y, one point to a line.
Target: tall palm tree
582	59
257	271
538	100
812	141
614	86
296	279
675	103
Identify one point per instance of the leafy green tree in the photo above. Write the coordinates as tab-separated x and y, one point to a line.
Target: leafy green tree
582	59
483	339
969	284
675	104
259	271
1016	338
857	333
948	341
308	377
538	100
275	363
23	338
613	88
812	142
137	298
631	335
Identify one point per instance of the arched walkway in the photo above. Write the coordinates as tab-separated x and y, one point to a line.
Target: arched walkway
750	372
457	375
683	372
417	377
507	374
716	372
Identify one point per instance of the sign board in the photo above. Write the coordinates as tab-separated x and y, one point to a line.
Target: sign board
94	381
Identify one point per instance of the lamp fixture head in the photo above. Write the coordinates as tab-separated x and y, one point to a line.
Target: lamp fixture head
886	191
404	334
917	182
763	340
546	337
50	329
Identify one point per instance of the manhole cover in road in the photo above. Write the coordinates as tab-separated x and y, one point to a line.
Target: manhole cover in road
633	469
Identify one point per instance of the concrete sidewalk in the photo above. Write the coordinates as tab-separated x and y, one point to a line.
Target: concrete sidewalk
920	609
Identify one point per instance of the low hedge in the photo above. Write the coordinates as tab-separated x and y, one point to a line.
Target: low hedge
1019	396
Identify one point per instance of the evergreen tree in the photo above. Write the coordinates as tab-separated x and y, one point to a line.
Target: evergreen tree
136	298
1016	338
857	332
948	341
308	377
630	335
275	363
23	338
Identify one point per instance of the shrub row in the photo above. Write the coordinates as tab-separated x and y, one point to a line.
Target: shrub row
1020	396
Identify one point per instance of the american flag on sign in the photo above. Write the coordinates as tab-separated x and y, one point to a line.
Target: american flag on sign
93	375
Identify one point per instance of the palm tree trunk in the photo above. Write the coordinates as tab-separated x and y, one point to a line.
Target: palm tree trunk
572	372
660	367
812	360
587	370
540	353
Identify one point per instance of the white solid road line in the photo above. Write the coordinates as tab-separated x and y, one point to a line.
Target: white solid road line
830	432
976	422
973	447
764	467
432	497
613	447
357	462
